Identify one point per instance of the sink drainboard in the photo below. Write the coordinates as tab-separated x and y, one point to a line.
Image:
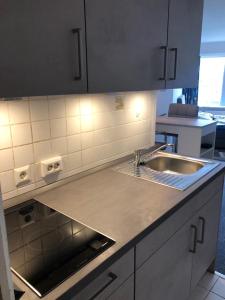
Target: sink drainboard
177	181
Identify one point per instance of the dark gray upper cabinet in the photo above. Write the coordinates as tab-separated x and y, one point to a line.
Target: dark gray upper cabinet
123	44
43	47
129	45
184	37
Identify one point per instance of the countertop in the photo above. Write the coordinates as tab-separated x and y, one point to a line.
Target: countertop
185	122
122	207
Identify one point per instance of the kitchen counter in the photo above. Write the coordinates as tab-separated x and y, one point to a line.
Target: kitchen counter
122	207
187	122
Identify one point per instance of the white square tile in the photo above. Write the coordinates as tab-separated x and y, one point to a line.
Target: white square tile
208	280
106	135
59	146
74	143
103	120
41	131
23	155
87	140
73	125
39	109
57	107
74	161
21	134
7	181
4	115
86	123
198	294
219	287
5	134
86	107
6	160
89	156
58	127
212	296
103	102
72	105
42	151
19	112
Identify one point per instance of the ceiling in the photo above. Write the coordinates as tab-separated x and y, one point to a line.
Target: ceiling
214	21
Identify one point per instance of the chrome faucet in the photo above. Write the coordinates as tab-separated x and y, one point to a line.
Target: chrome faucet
138	153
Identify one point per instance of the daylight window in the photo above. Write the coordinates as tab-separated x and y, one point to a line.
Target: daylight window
212	82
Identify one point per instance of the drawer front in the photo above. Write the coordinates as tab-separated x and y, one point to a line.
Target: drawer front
110	280
161	234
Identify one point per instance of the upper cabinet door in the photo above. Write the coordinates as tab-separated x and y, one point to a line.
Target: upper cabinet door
184	37
124	40
43	47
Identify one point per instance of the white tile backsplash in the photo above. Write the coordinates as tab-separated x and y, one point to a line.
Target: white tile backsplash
86	130
73	125
41	131
23	155
19	112
21	134
5	137
42	151
7	182
6	160
58	127
39	109
74	143
59	146
57	107
4	114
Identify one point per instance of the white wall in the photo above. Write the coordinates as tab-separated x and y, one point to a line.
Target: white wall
85	130
164	98
213	29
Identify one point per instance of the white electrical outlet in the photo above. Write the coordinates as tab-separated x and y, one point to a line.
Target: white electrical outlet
22	175
51	166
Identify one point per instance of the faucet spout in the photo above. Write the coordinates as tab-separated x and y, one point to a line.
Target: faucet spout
139	152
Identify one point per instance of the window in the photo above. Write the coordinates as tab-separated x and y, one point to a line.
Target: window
212	82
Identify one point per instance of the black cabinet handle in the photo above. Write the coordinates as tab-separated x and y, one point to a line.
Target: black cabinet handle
202	239
77	53
112	278
193	249
164	48
175	50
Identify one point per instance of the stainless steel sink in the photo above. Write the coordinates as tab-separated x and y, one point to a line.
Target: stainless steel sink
172	170
173	165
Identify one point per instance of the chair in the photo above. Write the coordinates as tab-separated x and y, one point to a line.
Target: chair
183	110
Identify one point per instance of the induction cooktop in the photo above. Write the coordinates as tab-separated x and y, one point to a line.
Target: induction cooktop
46	247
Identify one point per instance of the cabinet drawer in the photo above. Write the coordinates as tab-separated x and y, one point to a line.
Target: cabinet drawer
110	280
161	234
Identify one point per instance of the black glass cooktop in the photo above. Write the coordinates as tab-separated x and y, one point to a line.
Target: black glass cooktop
46	247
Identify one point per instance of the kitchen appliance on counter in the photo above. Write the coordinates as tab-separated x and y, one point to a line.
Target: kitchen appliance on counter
46	247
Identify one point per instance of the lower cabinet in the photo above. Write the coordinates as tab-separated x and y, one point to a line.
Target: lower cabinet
176	268
207	222
169	262
168	272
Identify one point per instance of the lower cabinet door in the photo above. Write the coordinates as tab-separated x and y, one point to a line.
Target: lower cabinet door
207	221
167	274
125	291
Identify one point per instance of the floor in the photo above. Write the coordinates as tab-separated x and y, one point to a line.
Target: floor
211	287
